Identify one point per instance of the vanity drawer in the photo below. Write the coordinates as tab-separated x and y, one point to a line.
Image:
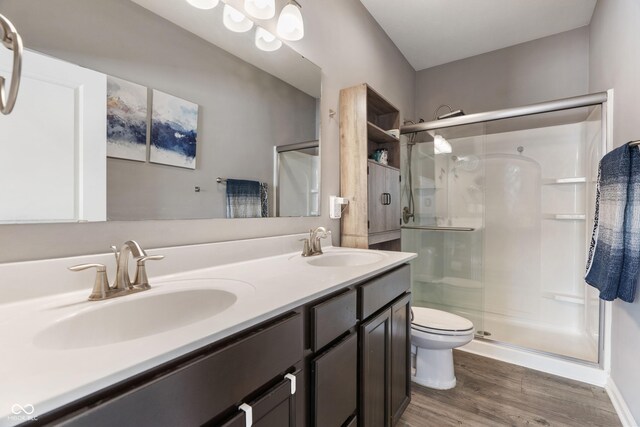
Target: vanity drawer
333	318
201	389
379	292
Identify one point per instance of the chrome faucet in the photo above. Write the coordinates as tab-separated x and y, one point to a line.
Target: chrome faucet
122	285
312	245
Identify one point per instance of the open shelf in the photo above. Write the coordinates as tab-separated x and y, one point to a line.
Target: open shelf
377	134
565	217
570	180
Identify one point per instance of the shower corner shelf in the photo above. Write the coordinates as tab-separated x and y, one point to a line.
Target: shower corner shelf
379	135
573	299
570	180
564	216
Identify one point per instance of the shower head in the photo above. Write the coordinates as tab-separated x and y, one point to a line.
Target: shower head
454	113
451	113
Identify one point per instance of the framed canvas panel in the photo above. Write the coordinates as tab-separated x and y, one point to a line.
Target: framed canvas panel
174	131
126	120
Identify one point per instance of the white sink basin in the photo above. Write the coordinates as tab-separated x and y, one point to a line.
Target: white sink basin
345	259
135	316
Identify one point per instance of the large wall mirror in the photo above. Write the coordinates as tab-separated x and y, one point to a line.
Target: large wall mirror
152	109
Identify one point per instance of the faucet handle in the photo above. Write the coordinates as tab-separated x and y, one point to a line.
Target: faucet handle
142	260
101	286
142	281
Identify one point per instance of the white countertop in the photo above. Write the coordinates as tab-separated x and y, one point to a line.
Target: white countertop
49	378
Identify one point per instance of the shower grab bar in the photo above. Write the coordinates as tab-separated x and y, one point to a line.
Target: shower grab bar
434	228
12	41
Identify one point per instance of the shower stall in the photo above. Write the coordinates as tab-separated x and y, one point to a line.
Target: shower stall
501	221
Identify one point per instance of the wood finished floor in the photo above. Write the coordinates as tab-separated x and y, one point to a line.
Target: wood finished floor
493	393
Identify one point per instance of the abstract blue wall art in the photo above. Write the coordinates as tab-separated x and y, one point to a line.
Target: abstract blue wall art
126	120
174	131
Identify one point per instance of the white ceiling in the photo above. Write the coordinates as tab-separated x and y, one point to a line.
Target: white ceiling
434	32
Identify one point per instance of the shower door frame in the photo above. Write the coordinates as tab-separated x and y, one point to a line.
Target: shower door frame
604	100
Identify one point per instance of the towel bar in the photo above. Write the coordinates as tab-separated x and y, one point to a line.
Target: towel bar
12	41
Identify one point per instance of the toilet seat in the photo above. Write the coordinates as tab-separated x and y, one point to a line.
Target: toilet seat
440	322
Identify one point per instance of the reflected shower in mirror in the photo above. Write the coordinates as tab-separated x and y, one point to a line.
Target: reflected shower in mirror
298	179
193	102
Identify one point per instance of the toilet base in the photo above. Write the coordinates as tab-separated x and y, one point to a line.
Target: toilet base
434	369
434	384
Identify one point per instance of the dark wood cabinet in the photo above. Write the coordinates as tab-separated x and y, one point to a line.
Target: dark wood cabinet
349	353
204	388
385	348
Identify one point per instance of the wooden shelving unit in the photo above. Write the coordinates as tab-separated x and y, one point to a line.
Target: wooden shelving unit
370	220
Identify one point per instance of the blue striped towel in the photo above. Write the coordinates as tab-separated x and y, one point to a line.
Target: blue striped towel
614	254
247	199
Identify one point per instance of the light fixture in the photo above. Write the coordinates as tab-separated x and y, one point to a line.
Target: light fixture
260	9
266	41
441	145
235	21
290	24
203	4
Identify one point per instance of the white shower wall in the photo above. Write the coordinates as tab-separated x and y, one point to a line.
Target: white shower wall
529	195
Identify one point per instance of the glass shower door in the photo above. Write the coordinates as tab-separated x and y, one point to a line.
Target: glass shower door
447	228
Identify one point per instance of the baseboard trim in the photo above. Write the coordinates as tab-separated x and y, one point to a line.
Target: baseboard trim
620	405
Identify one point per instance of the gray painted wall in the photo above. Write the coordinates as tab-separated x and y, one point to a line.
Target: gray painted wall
540	70
350	47
615	63
243	112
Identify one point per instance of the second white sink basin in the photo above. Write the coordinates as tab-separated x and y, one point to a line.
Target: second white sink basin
135	316
345	259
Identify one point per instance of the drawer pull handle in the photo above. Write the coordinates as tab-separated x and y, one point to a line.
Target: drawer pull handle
248	411
292	379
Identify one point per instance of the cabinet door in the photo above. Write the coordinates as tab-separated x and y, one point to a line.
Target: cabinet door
376	189
375	355
335	384
392	209
400	357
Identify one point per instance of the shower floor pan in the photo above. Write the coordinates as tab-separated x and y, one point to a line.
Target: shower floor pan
525	335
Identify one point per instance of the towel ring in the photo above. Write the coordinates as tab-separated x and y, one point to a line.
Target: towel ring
12	41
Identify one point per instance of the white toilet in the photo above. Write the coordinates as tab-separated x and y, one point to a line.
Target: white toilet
434	334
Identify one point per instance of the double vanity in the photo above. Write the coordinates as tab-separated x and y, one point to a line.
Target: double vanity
235	333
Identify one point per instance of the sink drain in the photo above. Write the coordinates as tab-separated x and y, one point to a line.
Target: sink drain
483	333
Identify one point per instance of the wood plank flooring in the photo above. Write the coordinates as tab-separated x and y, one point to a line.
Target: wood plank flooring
494	393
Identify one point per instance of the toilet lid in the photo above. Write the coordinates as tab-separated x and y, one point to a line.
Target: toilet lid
428	319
